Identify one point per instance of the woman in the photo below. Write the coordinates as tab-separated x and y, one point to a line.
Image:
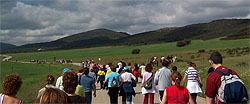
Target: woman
194	79
136	71
70	81
101	78
127	89
53	96
49	84
148	92
176	94
10	86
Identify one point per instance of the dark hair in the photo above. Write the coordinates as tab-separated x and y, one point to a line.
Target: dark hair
81	70
149	68
50	79
86	71
165	63
216	58
174	68
191	64
129	64
53	96
176	77
113	69
69	82
11	84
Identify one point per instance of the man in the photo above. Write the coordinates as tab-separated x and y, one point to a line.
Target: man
214	79
162	78
113	79
59	80
88	84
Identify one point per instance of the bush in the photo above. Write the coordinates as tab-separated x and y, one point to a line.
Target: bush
180	44
136	51
201	51
187	41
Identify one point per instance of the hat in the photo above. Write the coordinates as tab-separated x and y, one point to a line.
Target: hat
65	70
126	68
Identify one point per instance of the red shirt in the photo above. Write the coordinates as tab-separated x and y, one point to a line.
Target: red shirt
214	81
177	95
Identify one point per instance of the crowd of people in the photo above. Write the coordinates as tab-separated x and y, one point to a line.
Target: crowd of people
120	80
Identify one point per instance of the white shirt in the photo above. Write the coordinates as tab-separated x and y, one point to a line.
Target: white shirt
41	91
126	77
59	82
142	67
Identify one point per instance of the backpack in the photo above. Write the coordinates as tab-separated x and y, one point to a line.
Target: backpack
114	83
232	89
148	83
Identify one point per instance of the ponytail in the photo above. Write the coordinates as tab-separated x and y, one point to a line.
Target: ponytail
176	77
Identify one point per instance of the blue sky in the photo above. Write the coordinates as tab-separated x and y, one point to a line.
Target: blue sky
33	21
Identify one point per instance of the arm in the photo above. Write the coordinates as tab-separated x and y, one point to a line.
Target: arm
94	89
143	80
184	79
199	78
209	100
156	78
164	99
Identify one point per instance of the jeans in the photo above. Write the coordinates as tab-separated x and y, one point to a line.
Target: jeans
113	94
127	96
194	95
161	94
88	96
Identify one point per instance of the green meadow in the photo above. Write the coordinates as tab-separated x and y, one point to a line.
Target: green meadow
34	74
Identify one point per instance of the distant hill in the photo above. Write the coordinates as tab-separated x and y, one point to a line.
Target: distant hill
223	28
227	28
6	46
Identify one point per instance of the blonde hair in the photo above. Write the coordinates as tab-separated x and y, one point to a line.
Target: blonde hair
176	77
53	96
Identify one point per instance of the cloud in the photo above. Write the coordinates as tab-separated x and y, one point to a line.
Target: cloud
30	21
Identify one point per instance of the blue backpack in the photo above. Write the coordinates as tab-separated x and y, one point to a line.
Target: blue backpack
232	89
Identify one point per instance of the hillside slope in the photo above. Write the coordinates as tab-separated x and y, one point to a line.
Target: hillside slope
6	46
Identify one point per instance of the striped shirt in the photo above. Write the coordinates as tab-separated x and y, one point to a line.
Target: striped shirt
192	74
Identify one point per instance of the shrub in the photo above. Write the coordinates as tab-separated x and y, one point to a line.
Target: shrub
201	51
180	44
136	51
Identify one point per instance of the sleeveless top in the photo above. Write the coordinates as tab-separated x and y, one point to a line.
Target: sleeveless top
177	95
2	97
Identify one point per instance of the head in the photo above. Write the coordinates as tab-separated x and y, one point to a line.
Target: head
50	79
11	84
176	78
165	63
70	82
215	59
65	70
86	71
113	69
191	64
53	96
129	64
126	69
149	68
174	68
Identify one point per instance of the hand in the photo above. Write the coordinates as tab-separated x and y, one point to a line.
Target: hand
94	94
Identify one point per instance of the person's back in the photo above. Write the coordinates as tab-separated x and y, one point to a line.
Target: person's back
177	95
162	78
110	77
77	99
5	99
87	83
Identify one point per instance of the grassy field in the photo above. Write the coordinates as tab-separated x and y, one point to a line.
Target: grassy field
79	55
34	74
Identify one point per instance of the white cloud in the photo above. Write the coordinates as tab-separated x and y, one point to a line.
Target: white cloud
40	21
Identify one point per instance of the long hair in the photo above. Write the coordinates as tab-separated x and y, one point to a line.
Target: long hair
176	77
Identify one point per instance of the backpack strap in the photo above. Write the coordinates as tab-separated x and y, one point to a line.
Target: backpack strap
229	71
221	73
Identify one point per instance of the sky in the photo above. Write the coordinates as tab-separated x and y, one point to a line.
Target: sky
33	21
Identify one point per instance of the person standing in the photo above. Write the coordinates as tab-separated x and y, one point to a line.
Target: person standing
162	78
194	79
127	89
59	79
101	77
10	86
148	92
176	94
136	71
213	82
142	69
113	79
49	84
88	84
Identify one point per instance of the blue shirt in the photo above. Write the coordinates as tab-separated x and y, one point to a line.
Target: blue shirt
110	76
88	83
